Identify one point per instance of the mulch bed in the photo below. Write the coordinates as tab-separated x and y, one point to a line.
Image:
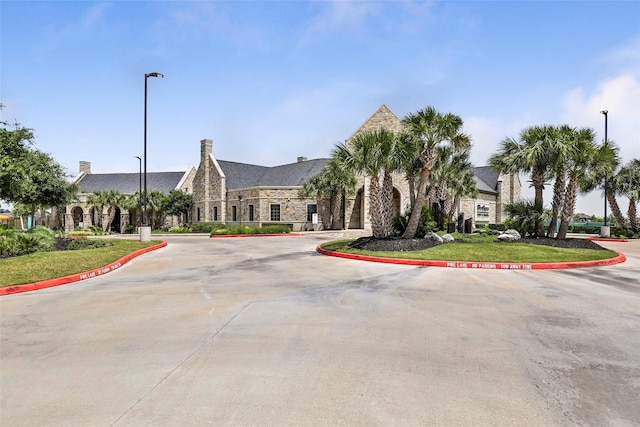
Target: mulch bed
399	244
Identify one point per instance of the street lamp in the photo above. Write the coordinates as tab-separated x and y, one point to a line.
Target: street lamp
145	219
604	232
139	188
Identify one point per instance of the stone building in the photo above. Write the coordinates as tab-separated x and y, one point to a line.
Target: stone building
240	193
80	214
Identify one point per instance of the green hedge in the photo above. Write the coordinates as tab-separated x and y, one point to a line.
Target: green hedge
243	229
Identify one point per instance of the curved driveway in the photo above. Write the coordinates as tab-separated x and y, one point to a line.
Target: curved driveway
265	331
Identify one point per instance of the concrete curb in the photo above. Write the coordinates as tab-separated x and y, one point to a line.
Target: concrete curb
607	239
227	236
8	290
481	265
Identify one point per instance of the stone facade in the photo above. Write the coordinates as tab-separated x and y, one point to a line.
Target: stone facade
487	207
216	199
81	214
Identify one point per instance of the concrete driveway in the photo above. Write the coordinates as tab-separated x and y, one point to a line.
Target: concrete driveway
265	331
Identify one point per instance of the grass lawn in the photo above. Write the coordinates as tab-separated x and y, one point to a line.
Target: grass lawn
50	265
483	252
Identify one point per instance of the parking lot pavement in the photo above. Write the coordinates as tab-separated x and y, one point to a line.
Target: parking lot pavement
265	331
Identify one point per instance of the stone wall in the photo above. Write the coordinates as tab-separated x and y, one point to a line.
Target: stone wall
293	209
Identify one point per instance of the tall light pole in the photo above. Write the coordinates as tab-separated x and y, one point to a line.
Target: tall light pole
606	140
145	218
139	188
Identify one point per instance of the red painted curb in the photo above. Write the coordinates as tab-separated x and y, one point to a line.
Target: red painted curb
8	290
607	239
226	236
481	265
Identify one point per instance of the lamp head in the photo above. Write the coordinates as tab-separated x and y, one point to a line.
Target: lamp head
138	157
154	74
604	112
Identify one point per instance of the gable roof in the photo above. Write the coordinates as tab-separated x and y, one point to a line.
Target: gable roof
486	179
129	183
382	118
243	175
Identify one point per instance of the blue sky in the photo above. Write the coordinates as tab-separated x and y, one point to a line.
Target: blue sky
270	81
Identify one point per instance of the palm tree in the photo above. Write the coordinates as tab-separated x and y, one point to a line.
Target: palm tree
451	176
155	202
603	174
578	164
528	154
333	182
461	181
560	146
629	183
367	153
430	130
99	201
412	162
113	199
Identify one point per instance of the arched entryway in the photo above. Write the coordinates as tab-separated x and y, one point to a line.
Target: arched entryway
356	219
77	216
116	223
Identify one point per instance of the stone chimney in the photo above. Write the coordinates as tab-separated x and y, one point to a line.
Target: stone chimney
85	167
206	148
302	159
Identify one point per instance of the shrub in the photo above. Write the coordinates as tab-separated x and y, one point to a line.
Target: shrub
206	227
97	231
425	225
243	229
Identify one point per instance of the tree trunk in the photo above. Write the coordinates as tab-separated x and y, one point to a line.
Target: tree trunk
558	199
453	206
386	205
335	209
537	180
569	206
615	209
414	219
325	216
375	208
411	180
633	214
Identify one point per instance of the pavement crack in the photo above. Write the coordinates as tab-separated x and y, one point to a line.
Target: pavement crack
179	365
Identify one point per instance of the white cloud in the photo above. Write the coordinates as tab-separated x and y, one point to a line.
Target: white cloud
620	96
339	17
487	133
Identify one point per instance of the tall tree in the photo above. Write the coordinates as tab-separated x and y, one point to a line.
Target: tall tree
14	161
335	183
30	176
451	176
367	153
603	175
98	201
578	163
560	147
114	199
430	129
628	180
178	203
528	154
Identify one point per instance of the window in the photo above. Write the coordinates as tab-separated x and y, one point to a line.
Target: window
215	213
311	209
275	212
234	213
198	214
251	213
